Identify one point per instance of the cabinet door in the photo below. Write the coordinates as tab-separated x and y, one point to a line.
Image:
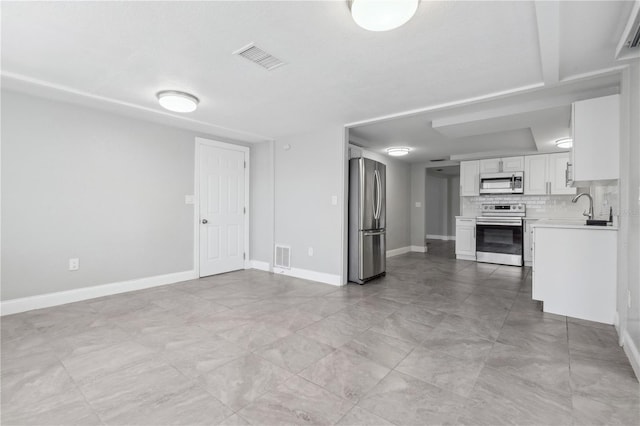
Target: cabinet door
558	174
535	174
491	165
465	237
527	252
596	138
469	181
513	164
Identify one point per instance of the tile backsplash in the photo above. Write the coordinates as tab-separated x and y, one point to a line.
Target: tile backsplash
551	206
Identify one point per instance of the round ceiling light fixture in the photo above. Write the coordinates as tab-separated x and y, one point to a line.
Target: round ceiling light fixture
564	143
382	15
177	101
398	151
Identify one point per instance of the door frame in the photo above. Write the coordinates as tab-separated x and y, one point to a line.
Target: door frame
196	198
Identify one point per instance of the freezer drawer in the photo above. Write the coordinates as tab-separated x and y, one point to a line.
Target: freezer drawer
367	255
372	260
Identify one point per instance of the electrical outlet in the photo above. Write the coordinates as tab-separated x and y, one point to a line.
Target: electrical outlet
418	204
188	199
334	200
74	264
310	251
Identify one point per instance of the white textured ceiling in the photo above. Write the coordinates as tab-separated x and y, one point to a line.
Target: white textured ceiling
123	53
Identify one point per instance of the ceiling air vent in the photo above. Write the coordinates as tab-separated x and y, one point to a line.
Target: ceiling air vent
259	56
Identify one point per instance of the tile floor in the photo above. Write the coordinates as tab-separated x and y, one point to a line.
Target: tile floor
436	341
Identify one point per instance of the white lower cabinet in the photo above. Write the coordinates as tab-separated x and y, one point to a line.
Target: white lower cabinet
527	241
465	238
575	270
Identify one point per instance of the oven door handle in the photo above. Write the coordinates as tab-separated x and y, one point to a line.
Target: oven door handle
499	223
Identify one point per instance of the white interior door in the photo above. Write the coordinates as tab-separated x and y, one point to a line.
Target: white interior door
222	209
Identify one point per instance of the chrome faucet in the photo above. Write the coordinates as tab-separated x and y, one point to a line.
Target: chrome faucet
590	213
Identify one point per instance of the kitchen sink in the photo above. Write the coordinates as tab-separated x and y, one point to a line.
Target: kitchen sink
595	222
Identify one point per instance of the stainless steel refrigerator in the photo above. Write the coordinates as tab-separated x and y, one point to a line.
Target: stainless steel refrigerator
367	219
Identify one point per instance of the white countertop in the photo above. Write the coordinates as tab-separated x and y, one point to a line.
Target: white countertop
570	224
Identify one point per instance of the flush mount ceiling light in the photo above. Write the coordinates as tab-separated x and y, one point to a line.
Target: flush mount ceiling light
564	143
382	15
398	152
177	101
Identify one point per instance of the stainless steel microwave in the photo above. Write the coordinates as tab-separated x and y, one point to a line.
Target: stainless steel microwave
502	183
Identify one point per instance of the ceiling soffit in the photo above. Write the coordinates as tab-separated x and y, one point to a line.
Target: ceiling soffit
117	55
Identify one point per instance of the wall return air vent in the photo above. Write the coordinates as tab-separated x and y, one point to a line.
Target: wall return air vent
259	56
283	257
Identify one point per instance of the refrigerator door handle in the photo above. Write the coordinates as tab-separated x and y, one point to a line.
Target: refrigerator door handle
378	200
379	195
373	233
375	196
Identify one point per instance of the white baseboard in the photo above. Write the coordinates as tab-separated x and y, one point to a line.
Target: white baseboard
403	250
465	257
398	251
632	353
14	306
441	237
306	274
260	265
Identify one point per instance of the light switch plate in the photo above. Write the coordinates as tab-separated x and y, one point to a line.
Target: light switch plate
418	204
334	200
188	199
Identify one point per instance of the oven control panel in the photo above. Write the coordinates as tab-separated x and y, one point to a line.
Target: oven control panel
516	209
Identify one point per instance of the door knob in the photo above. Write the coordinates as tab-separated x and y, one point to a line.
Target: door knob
205	221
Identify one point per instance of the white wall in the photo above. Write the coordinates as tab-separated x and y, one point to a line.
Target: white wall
418	207
445	207
262	191
79	182
398	197
442	203
453	185
629	233
398	203
436	204
306	177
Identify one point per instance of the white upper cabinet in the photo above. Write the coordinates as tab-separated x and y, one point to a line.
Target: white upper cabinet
536	175
491	165
497	165
547	174
469	178
512	164
596	139
559	182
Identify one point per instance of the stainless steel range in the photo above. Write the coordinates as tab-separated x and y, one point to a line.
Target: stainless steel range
499	234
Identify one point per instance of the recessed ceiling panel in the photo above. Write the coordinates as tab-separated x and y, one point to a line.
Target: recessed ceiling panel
336	73
589	34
